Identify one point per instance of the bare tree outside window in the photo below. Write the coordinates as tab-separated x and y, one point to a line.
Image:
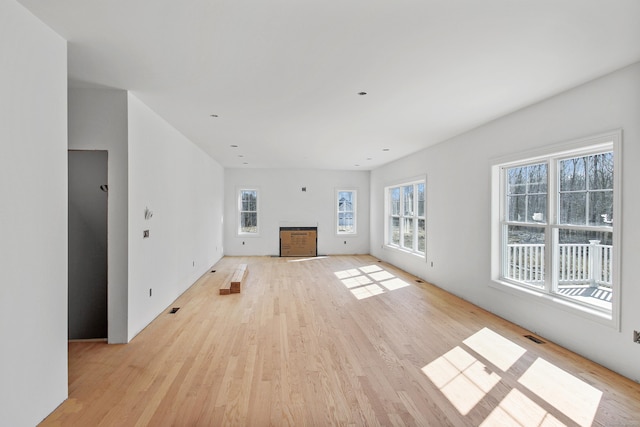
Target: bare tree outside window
248	211
406	217
568	252
346	201
586	190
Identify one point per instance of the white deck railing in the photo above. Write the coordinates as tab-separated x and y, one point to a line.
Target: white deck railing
587	263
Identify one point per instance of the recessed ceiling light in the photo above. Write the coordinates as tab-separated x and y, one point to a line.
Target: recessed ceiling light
233	146
356	164
385	149
245	163
240	155
369	158
362	93
213	115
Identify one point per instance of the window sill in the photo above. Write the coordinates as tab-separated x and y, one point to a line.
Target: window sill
346	234
557	302
250	235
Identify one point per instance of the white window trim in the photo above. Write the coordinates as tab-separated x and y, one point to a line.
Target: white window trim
239	191
605	141
355	212
387	238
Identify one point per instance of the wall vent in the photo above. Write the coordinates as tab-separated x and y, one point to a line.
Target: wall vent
534	339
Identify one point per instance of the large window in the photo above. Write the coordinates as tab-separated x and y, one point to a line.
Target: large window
558	224
248	211
346	209
406	217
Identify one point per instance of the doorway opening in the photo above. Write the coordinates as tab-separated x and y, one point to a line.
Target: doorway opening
88	199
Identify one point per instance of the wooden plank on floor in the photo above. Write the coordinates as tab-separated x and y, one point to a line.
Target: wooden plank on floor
225	287
237	278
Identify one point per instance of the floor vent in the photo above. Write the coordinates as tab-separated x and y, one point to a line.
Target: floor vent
174	310
534	339
213	271
419	281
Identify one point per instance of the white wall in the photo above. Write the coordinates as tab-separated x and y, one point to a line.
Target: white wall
150	165
283	203
184	188
458	176
33	217
98	121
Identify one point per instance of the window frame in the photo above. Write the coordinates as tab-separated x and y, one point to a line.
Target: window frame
354	211
414	216
548	292
240	191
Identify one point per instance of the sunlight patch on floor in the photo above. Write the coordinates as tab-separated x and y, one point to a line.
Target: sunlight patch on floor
461	378
367	291
572	396
518	410
354	282
394	284
495	348
354	272
307	259
370	268
381	275
370	280
543	394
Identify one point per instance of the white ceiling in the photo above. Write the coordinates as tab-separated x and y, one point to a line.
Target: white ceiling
284	75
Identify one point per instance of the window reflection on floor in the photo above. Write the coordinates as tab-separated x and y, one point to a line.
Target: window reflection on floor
368	281
543	396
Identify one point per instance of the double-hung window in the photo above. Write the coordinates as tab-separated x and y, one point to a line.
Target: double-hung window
406	217
558	224
346	210
248	211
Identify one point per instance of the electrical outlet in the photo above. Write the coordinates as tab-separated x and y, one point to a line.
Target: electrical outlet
636	337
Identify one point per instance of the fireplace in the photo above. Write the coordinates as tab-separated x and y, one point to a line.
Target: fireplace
298	241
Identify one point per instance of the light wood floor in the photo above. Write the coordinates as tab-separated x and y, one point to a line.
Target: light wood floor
343	340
